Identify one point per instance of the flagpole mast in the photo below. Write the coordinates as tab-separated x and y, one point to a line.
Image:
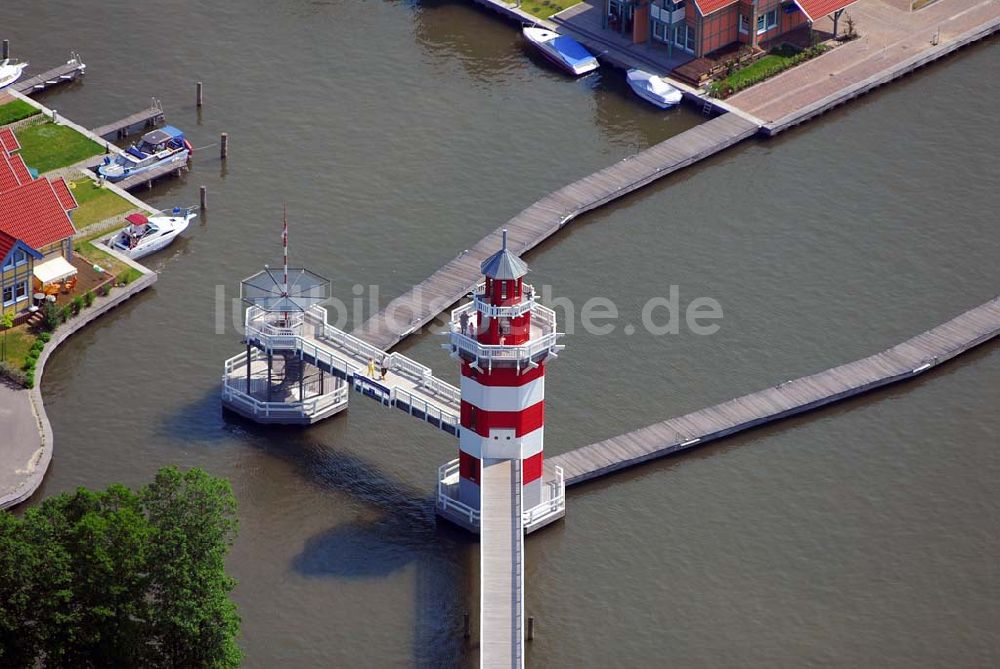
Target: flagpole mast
284	244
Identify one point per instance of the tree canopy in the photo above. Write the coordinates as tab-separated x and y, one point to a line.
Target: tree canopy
121	577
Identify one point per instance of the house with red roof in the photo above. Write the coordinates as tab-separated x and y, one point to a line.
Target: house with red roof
699	27
36	232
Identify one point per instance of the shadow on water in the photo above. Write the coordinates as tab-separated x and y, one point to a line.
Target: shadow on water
401	532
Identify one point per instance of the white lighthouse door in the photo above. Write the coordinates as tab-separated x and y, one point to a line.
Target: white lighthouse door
502	444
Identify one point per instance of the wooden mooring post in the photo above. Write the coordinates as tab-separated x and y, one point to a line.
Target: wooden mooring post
198	97
467	632
531	627
224	146
5	51
203	196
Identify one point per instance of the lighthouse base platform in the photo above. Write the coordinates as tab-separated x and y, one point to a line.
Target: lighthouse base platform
550	509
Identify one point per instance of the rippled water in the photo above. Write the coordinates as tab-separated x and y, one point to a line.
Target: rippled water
401	132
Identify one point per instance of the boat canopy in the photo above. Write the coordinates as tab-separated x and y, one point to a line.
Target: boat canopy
572	51
162	135
56	269
137	219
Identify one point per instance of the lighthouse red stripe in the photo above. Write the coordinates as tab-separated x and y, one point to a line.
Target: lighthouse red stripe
531	468
503	376
468	467
522	422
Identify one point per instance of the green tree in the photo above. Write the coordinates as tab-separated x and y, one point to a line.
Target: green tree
121	578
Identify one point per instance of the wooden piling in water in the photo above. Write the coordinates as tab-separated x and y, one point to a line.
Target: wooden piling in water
198	97
203	193
5	51
224	146
531	627
467	632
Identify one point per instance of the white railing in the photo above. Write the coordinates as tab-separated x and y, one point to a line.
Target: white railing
484	307
429	410
543	320
517	564
554	505
259	408
448	503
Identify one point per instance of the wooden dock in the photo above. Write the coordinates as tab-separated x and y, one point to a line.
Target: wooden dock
147	178
903	361
456	279
147	118
72	69
501	573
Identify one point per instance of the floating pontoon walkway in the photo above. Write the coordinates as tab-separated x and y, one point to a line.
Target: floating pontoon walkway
146	118
68	71
898	363
449	284
147	178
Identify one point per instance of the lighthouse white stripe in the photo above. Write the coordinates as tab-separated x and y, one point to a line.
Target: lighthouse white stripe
524	447
503	398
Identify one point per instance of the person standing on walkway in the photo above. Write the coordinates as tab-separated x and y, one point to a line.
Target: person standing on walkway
463	322
385	366
371	368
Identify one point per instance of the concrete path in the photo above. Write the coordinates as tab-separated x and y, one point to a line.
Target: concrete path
20	445
890	36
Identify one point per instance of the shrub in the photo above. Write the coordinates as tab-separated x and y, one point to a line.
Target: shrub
29	364
125	278
51	316
105	289
76	306
11	372
88	298
45	337
29	379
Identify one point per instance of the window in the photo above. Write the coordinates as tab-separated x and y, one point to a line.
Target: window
15	292
503	290
18	257
660	30
767	21
684	37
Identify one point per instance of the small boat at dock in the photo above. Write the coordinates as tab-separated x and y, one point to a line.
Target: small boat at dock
563	51
653	89
165	145
10	71
144	235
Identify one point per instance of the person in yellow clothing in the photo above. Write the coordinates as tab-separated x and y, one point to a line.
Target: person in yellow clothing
371	368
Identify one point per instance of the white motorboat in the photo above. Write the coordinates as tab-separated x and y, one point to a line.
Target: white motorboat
565	52
10	72
143	235
653	89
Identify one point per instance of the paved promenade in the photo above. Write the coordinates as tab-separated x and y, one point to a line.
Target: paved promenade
890	36
21	455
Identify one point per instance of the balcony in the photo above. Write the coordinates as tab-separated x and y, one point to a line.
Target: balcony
541	344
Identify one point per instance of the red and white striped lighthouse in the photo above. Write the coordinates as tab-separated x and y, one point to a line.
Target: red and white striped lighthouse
503	340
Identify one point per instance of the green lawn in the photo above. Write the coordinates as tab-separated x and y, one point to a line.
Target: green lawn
19	342
778	60
96	204
84	247
49	146
15	111
543	9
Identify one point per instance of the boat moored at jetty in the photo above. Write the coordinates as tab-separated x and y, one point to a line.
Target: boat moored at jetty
653	89
10	71
165	145
564	51
144	235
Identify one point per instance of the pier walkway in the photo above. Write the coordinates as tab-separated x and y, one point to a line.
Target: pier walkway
408	385
147	118
501	567
903	361
68	71
415	308
147	178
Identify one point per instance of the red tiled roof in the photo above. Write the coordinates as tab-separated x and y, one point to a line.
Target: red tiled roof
9	177
20	169
8	141
6	244
706	7
34	214
64	194
817	9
